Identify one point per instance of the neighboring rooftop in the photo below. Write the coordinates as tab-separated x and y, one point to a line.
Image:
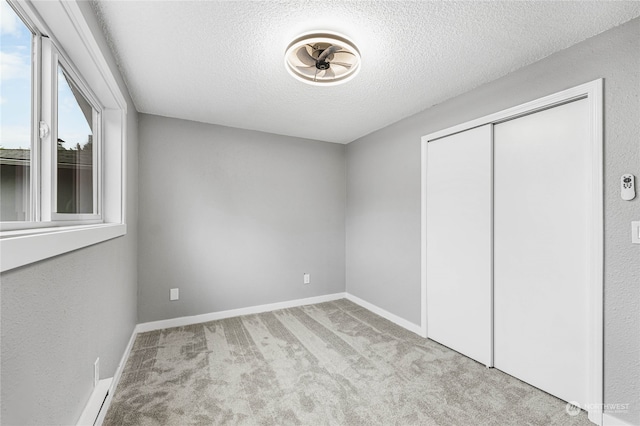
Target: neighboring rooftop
66	158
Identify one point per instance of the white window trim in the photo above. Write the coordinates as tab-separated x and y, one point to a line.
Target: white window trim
64	22
34	245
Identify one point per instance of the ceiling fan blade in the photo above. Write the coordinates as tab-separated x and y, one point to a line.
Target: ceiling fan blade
304	57
326	52
310	71
334	49
343	56
329	73
342	64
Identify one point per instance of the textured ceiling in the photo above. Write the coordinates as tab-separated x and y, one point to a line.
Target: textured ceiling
222	62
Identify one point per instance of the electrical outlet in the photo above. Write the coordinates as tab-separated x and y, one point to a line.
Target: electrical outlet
306	278
174	295
96	372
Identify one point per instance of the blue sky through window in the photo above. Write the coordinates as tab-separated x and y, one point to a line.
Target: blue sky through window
73	127
15	90
15	80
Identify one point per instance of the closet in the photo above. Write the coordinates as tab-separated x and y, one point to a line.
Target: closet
513	218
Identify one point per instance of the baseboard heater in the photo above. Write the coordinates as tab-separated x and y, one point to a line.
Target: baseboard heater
95	403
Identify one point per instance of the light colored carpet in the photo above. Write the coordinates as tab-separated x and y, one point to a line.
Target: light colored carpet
333	363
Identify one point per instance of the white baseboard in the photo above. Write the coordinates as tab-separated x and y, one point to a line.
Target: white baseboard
96	400
386	314
609	420
196	319
116	378
212	316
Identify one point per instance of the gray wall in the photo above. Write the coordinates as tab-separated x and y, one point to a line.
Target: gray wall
233	218
383	190
60	314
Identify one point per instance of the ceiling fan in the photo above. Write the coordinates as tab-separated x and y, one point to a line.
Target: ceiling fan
322	58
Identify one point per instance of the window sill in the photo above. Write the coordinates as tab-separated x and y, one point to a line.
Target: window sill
19	248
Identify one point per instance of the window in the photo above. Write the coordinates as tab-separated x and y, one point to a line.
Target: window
49	96
63	118
75	192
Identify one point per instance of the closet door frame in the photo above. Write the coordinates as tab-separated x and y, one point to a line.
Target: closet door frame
593	92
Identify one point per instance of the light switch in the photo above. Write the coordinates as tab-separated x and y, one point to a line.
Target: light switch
635	232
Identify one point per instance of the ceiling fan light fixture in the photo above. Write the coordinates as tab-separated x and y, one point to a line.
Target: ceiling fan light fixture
322	58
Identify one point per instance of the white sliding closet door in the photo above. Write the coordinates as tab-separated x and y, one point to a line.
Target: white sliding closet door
541	241
458	234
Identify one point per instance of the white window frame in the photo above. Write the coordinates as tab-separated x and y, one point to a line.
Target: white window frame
51	59
72	43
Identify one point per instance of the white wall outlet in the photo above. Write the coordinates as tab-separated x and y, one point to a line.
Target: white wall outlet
306	278
174	295
96	372
635	232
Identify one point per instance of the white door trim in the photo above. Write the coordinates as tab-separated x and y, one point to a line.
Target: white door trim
592	91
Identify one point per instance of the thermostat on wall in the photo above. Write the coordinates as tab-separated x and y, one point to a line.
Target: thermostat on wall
627	187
